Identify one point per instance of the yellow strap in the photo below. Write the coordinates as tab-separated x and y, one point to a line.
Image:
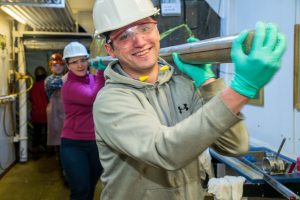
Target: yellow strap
143	78
164	68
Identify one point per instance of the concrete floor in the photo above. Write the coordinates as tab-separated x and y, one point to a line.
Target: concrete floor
42	180
36	180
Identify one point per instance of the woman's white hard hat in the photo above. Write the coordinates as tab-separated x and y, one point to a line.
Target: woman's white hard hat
109	15
74	49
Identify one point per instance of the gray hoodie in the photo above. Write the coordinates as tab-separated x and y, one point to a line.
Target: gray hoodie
149	136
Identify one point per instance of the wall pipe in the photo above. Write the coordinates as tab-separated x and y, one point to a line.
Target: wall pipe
214	50
22	105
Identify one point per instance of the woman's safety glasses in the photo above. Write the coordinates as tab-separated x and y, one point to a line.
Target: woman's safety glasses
125	36
79	61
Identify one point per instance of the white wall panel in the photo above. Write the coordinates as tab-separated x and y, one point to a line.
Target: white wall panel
7	153
269	124
297	112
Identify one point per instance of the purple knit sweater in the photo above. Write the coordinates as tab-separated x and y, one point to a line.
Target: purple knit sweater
78	95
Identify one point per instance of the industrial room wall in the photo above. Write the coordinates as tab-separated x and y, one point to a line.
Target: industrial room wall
7	151
277	118
268	124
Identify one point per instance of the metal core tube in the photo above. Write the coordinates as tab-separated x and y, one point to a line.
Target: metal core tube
214	50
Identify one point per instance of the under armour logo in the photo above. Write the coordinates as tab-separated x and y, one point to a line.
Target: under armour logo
184	108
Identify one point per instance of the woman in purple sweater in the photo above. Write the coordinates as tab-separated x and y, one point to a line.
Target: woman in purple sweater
79	153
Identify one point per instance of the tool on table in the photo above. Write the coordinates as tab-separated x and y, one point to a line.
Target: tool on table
272	164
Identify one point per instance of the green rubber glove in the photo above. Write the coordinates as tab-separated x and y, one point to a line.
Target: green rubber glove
192	39
98	64
255	70
198	73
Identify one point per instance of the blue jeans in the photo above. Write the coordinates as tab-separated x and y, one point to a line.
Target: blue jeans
80	161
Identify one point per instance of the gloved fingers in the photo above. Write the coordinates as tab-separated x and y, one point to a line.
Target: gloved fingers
101	65
206	67
237	46
271	36
91	63
192	39
259	35
280	46
177	61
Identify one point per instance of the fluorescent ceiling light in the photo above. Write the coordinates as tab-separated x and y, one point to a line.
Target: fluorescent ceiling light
13	15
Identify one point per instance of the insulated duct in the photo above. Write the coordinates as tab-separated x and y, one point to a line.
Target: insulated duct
34	40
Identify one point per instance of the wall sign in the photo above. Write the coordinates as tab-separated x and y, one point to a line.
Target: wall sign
170	8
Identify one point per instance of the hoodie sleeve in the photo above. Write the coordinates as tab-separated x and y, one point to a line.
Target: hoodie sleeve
235	141
127	123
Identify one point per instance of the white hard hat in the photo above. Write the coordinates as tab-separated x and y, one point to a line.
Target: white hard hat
109	15
75	49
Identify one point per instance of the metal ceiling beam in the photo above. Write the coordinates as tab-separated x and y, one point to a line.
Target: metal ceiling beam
22	12
42	40
46	18
45	34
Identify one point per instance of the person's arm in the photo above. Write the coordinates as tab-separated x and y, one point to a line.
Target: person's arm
53	83
100	79
233	100
97	63
200	74
127	123
234	141
252	71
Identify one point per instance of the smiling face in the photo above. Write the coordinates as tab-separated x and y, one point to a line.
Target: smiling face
78	65
137	47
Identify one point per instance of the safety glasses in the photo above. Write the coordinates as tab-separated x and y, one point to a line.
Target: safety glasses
125	36
79	61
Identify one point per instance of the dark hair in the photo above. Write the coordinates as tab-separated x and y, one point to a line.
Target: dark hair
106	35
40	73
67	60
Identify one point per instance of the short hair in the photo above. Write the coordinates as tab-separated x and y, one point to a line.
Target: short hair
40	70
106	35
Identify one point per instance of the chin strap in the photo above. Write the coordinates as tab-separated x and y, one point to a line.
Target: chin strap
144	78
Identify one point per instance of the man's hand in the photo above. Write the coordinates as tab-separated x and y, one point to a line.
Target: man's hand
255	70
98	64
198	73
